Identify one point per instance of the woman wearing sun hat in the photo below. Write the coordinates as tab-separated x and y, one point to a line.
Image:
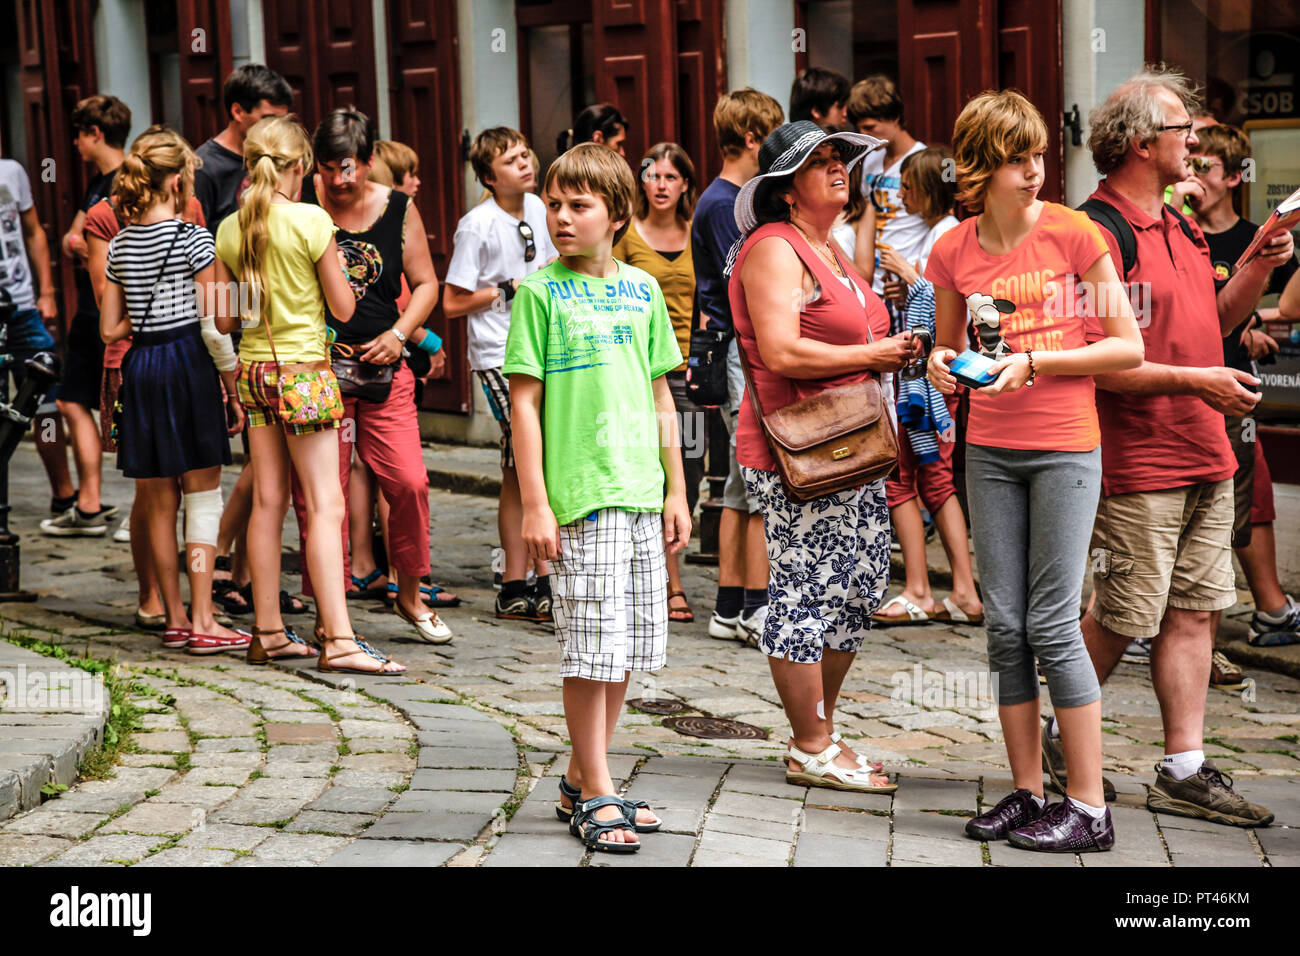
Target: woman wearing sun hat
807	321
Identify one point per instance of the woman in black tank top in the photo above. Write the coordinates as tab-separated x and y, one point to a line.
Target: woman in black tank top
381	239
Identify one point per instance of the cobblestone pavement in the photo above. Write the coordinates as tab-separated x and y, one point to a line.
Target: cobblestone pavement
409	771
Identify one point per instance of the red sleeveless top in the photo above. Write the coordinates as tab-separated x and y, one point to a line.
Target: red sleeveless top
835	317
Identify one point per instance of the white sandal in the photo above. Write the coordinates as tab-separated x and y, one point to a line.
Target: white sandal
820	770
862	761
429	626
914	614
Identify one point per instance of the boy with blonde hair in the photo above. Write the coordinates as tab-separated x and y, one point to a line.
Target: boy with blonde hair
591	336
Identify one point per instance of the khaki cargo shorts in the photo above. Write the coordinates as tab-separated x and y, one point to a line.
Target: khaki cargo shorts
1157	549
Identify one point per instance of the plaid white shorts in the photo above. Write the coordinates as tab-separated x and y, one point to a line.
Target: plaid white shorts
611	595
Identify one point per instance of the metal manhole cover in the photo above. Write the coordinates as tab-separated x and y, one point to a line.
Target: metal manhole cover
657	705
715	728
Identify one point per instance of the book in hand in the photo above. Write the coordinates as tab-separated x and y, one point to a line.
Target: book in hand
1285	216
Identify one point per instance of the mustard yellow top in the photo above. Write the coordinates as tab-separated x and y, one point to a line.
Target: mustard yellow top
676	277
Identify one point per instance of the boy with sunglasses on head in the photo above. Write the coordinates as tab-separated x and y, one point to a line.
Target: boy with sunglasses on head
499	242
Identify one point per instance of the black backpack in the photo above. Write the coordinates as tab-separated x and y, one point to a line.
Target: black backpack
1109	218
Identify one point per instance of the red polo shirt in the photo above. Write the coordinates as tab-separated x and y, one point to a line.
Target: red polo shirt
1157	442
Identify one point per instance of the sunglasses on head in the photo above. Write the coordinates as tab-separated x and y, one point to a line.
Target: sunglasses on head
530	247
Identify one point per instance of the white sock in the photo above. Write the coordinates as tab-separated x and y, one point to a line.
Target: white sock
1053	729
1038	801
1183	765
1095	812
1278	616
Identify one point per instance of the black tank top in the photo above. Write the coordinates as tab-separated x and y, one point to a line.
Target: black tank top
374	270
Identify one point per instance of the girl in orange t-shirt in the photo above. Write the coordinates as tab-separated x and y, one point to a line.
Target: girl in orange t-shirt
1033	457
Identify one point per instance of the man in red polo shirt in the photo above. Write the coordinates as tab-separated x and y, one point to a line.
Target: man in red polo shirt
1161	547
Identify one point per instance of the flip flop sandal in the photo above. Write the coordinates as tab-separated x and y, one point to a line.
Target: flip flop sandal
433	595
589	830
914	614
686	615
366	589
292	605
325	666
230	597
952	613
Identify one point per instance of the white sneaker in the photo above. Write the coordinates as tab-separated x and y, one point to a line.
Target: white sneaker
750	629
723	628
123	533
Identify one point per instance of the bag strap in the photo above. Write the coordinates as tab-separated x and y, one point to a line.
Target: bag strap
1109	218
153	289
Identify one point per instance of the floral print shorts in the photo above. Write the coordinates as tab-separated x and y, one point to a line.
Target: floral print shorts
829	566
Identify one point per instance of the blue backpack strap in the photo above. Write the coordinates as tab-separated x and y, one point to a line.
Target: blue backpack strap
1109	218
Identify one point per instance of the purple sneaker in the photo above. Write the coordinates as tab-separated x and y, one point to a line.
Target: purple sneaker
1015	810
1063	828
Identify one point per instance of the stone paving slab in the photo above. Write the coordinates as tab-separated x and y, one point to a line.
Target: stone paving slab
722	803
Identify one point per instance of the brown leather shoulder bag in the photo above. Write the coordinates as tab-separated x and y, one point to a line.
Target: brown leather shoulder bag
832	441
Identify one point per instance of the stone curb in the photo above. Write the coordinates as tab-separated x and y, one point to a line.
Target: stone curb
46	745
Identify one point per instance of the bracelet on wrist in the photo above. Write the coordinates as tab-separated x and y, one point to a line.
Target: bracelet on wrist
401	336
431	342
1033	372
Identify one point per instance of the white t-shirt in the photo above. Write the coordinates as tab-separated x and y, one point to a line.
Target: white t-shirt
489	250
895	226
15	199
846	236
931	237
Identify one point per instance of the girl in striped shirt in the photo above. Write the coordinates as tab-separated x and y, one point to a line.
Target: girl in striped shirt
170	414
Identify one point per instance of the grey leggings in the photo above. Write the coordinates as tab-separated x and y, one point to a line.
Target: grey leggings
1031	516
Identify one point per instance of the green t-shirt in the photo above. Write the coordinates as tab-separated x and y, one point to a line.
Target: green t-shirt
596	344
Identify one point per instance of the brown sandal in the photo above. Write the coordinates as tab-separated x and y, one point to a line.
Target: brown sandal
324	665
257	653
685	615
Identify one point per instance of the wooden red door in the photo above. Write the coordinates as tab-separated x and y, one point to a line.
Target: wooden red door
425	102
941	63
1029	59
205	61
326	52
56	69
950	50
636	67
701	79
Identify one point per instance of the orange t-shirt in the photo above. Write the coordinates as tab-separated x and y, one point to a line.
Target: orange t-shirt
1037	288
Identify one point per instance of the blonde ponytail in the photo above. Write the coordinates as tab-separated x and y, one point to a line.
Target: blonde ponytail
156	155
271	148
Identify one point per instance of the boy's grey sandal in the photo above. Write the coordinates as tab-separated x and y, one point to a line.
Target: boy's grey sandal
589	830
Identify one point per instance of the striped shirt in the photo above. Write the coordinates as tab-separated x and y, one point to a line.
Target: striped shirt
135	262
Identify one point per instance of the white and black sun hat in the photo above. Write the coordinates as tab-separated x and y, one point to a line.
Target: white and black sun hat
784	151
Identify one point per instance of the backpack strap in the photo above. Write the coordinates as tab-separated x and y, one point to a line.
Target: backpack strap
1109	218
1182	223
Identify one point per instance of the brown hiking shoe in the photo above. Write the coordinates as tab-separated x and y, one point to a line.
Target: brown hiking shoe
1225	675
1054	766
1205	795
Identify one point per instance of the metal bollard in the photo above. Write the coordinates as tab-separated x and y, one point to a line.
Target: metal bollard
15	419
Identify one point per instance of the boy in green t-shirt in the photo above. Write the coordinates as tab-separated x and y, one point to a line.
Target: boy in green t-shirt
592	336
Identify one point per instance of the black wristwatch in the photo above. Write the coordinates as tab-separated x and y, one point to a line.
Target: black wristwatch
507	290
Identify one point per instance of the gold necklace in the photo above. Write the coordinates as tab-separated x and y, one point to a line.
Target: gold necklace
828	256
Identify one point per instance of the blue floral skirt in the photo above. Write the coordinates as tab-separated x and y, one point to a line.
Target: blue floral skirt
829	566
